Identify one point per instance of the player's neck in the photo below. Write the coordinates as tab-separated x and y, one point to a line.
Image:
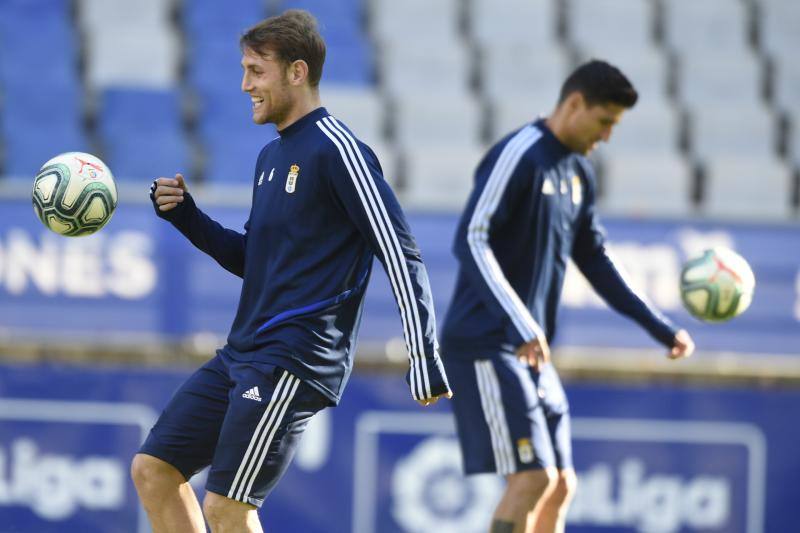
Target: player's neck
555	123
302	107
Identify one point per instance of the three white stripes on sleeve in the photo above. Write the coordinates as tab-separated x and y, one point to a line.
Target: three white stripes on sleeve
390	247
478	232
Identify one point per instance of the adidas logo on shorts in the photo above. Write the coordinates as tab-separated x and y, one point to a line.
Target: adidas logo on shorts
252	394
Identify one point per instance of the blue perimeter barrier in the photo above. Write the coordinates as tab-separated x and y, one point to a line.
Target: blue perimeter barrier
650	458
139	279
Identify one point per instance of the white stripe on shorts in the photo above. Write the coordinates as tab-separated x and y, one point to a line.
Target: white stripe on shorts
492	403
262	437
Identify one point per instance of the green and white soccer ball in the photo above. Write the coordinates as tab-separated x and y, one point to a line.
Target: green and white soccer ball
74	194
718	285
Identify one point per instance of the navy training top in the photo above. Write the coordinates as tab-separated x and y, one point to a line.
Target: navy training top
531	210
321	211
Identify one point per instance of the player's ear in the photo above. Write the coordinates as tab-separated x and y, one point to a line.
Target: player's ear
298	72
576	101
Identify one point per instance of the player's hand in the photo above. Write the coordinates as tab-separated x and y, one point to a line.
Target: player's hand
682	346
431	401
168	192
534	353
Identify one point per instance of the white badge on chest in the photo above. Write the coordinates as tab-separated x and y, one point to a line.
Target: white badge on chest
291	178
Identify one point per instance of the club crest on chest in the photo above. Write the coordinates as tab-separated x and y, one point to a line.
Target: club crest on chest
291	178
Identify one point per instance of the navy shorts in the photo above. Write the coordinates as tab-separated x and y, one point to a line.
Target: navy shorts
508	416
243	419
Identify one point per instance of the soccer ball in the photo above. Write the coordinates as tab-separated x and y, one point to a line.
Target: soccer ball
717	286
74	194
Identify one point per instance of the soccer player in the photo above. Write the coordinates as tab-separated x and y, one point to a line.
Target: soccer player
531	210
321	211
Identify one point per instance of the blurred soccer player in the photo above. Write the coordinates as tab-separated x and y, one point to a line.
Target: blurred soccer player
320	212
531	210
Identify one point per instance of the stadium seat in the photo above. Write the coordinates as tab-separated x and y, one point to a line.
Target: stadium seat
142	133
647	185
349	63
439	178
777	27
611	27
433	23
213	65
735	80
507	114
33	46
786	82
652	127
517	70
794	139
407	68
137	57
36	125
110	15
362	109
747	188
707	28
453	119
717	131
531	23
212	19
338	21
28	147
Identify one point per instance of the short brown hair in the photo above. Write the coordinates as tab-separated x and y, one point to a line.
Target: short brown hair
292	35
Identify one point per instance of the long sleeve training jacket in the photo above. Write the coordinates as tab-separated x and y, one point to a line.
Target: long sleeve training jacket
321	211
531	210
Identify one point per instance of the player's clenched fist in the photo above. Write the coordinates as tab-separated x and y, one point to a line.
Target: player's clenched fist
534	353
168	192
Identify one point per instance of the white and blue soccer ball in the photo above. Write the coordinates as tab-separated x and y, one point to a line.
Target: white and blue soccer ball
74	194
717	285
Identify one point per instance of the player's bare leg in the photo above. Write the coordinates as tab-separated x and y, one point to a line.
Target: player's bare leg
523	492
551	515
225	515
166	496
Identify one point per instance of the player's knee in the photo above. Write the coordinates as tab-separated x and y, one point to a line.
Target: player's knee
564	489
225	514
531	485
152	476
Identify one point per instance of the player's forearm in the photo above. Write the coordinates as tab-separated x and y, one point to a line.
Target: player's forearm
610	284
225	246
426	375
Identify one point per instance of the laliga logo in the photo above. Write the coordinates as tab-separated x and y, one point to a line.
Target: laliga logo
91	172
658	503
54	486
428	487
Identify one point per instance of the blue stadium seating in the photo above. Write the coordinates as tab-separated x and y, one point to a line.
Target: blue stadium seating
34	46
338	21
349	64
42	95
27	148
143	133
349	59
230	139
213	65
205	19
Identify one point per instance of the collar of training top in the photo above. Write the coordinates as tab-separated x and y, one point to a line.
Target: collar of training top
548	136
300	123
